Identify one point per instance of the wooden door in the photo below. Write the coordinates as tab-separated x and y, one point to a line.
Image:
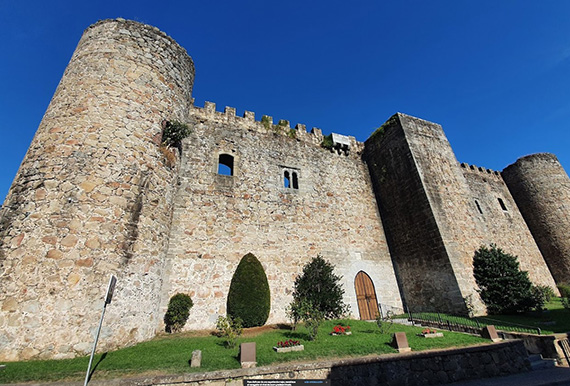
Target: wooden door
366	297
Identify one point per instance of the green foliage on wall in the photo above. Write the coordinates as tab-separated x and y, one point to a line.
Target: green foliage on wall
327	142
177	312
174	132
503	287
249	296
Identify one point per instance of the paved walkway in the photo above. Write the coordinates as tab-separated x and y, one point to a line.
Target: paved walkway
552	376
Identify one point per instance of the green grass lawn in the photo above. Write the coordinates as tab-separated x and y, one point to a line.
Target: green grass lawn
170	354
555	319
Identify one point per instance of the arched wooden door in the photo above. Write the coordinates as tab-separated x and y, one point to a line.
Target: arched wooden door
366	296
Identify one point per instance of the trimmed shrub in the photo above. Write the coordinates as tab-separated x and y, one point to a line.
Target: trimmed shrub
321	288
178	312
504	288
249	298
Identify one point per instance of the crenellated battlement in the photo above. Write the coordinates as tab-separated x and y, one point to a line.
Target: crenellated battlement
266	125
480	169
96	182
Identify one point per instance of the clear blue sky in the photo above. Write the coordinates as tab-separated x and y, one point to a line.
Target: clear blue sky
494	74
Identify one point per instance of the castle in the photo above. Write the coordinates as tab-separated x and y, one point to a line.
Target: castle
96	195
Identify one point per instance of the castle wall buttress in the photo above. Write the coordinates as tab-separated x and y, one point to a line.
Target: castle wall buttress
328	209
438	213
419	248
93	197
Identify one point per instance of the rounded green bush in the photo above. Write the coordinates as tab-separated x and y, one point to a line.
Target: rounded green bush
249	297
178	312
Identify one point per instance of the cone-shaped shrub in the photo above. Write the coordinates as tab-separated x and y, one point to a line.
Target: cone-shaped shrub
249	297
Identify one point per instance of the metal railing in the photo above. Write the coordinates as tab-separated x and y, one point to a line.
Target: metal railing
464	324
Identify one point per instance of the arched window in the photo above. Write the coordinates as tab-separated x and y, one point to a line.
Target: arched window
226	165
286	179
290	178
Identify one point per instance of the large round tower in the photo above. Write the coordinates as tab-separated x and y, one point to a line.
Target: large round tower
93	197
541	189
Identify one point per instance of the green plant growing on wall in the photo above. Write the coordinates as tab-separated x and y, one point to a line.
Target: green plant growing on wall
292	133
177	312
174	132
382	129
230	329
321	287
327	142
249	296
503	287
266	121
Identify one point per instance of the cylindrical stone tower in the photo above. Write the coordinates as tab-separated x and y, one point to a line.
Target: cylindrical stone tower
93	197
541	189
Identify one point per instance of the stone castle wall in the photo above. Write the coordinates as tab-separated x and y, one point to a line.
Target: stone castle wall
97	195
541	188
437	214
421	260
218	219
498	221
93	198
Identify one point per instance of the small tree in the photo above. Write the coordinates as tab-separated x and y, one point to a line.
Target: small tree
305	311
177	312
503	286
321	287
229	329
249	297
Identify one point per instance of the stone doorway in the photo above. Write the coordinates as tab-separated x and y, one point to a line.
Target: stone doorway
366	296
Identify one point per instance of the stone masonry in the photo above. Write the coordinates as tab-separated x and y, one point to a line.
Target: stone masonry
97	195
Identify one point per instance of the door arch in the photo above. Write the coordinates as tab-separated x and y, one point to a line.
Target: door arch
366	296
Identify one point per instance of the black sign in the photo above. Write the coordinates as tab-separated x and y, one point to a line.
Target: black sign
110	289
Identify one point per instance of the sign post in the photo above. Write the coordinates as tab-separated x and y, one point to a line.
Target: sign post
108	297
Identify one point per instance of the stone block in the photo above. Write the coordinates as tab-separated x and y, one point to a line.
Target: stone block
400	342
489	332
247	355
196	360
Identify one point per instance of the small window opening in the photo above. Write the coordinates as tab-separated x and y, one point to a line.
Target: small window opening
286	180
503	207
226	165
478	206
295	181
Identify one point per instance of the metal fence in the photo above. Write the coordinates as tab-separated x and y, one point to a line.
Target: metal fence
464	324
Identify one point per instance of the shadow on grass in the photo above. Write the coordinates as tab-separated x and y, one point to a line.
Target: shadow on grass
103	356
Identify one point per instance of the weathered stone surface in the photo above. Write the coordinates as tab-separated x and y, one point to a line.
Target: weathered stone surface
100	191
96	195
